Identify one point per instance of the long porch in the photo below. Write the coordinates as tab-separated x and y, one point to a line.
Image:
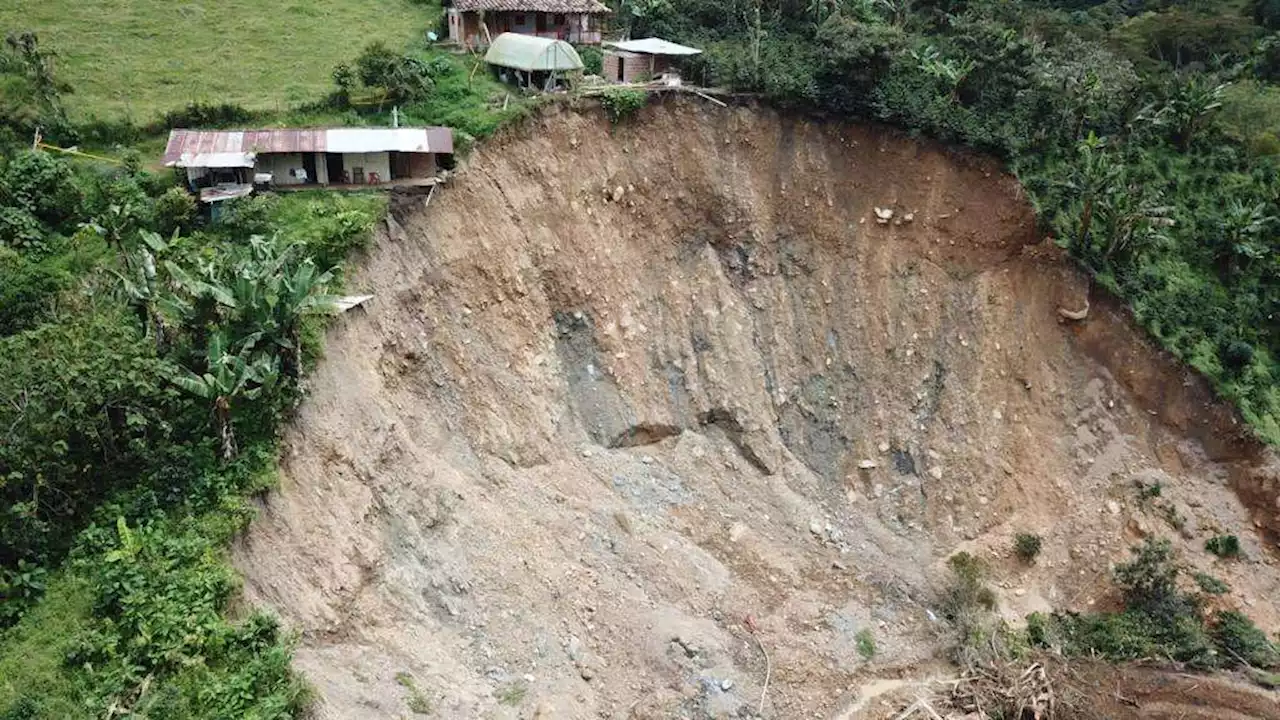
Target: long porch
397	184
467	29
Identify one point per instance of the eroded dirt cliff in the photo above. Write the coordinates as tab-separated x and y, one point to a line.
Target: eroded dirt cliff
633	408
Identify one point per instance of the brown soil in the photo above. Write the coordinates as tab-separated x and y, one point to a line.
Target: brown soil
1100	691
585	457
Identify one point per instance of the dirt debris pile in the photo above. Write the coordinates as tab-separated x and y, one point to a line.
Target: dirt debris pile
622	420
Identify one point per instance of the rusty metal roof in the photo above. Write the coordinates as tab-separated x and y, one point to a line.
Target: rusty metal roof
590	7
238	148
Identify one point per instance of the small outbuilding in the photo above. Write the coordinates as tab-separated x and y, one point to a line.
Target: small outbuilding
532	62
475	23
225	164
633	61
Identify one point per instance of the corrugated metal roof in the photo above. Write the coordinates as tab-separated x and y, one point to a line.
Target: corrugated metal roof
530	53
589	7
231	148
654	46
351	140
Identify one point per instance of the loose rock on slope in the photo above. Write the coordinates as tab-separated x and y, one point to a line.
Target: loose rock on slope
579	454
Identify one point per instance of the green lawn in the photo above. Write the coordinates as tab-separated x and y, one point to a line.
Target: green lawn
136	59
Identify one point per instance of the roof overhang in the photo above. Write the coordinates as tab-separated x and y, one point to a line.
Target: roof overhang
653	46
239	148
214	160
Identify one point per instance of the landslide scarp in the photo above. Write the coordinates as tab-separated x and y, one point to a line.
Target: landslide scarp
634	407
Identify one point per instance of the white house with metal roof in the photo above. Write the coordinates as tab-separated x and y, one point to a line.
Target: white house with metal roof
222	164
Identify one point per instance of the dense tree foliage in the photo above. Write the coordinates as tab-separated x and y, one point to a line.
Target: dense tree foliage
148	357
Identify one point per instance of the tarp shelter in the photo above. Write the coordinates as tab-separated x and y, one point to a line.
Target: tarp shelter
530	55
631	61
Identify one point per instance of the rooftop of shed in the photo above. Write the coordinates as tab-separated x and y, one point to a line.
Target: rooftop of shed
653	46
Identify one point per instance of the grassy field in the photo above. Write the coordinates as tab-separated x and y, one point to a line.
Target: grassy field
136	59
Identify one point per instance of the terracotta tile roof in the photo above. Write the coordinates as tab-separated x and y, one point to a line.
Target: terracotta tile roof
591	7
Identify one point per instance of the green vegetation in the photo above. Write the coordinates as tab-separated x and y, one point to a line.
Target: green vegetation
866	643
1027	547
418	702
621	103
1226	547
135	59
1149	492
969	605
1159	620
428	86
1209	584
149	358
467	99
592	59
511	693
145	377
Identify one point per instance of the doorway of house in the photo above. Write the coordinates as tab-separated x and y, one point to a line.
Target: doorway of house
333	163
309	166
540	22
622	68
399	165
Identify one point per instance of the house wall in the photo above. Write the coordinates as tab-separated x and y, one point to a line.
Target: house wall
465	27
377	162
635	67
205	177
280	166
422	165
322	170
522	23
455	25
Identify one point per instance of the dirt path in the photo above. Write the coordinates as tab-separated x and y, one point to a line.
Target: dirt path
628	401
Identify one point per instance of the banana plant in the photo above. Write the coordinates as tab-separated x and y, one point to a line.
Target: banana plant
267	290
146	293
232	375
949	70
274	293
1243	236
1187	111
1092	179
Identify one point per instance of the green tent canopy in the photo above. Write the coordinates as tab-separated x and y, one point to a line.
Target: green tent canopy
532	54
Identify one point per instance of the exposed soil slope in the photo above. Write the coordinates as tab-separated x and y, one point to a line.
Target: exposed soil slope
581	452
